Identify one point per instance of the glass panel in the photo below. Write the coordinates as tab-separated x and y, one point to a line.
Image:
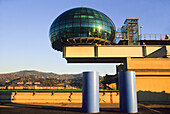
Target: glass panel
83	16
83	11
91	24
109	29
77	16
79	35
109	24
70	13
104	27
104	23
76	24
77	13
99	21
68	25
99	25
75	34
55	24
77	30
92	20
97	16
56	28
95	12
102	17
84	20
105	19
84	24
70	30
84	30
69	21
76	20
52	30
91	17
89	12
62	26
52	26
69	16
91	30
62	22
83	35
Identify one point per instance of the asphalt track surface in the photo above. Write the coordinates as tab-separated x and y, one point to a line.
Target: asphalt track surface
73	108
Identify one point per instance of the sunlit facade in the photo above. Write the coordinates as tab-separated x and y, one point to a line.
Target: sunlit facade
81	25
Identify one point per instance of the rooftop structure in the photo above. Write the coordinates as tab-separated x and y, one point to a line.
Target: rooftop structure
81	26
74	30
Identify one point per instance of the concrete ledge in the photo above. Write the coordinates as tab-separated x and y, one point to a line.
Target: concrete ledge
44	97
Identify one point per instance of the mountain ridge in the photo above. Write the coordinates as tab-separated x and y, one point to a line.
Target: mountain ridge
7	77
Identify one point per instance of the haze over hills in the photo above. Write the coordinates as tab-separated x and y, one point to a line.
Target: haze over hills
50	79
23	73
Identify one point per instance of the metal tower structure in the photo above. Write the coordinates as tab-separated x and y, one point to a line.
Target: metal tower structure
130	31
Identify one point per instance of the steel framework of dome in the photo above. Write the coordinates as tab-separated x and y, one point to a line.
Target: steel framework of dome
82	26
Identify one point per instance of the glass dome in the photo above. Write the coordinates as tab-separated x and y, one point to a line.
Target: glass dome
81	25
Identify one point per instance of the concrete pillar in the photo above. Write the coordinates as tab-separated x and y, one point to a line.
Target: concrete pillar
127	90
90	92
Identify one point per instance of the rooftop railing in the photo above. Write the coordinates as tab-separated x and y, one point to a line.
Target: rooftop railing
152	36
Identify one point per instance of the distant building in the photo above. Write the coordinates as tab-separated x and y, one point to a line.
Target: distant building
28	83
2	87
37	83
10	87
18	87
7	81
20	83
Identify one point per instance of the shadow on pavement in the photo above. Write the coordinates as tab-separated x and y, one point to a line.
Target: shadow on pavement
28	108
15	108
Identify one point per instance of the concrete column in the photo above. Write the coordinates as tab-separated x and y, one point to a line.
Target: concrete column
127	90
90	92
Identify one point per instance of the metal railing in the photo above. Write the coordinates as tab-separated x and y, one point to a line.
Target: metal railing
120	35
152	36
54	90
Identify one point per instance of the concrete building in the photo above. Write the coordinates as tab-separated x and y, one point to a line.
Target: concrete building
85	35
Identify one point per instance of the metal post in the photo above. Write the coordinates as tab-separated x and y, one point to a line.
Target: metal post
90	92
127	90
141	32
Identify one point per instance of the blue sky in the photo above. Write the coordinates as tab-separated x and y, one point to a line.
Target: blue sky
24	30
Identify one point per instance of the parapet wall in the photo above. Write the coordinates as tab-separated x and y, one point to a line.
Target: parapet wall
51	97
76	97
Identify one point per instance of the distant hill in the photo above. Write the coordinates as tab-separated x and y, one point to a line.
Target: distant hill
32	75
